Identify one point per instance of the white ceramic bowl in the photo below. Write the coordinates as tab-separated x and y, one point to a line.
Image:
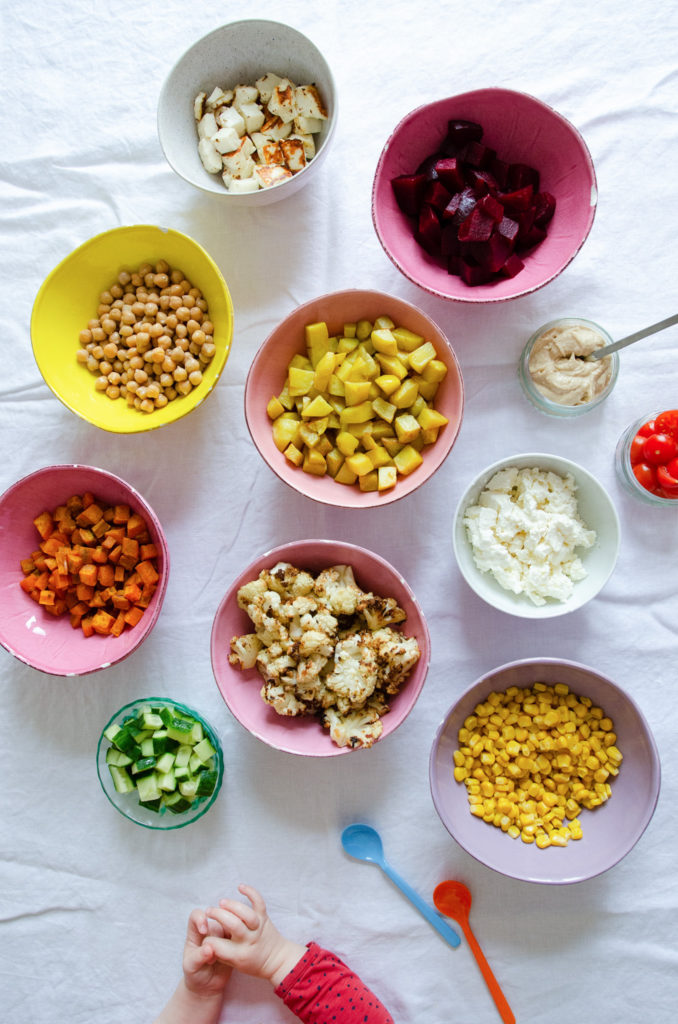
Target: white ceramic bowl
595	508
234	54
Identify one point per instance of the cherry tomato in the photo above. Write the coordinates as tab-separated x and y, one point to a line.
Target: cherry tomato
647	428
667	423
660	449
672	467
645	475
666	479
636	452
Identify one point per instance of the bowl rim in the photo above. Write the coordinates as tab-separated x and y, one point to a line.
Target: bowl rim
244	198
160	591
276	554
519	608
370	499
146	423
655	773
213	736
470	94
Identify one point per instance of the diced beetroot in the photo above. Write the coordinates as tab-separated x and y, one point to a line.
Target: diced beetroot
467	202
532	237
493	253
508	228
409	192
473	275
520	175
449	240
450	173
492	207
478	155
518	200
500	171
525	222
428	231
453	205
459	134
513	266
454	264
436	195
545	205
481	181
477	227
428	166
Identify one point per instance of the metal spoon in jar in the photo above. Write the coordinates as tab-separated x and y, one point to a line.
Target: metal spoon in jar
600	353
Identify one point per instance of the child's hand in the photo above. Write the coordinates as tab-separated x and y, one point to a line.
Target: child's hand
204	974
251	942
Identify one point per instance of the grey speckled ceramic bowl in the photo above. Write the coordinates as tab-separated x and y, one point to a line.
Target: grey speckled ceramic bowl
609	832
234	54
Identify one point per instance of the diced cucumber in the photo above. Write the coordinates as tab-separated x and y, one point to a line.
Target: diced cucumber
162	743
121	780
152	805
147	748
183	755
115	756
147	787
112	731
206	782
204	750
176	803
124	740
189	787
144	765
195	764
149	720
166	781
181	772
164	763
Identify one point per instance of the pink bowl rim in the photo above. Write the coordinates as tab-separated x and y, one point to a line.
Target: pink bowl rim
160	591
655	765
372	499
483	299
277	554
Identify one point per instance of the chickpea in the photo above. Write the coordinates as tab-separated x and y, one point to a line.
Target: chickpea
195	378
82	355
116	291
124	278
101	383
98	334
161	401
105	367
85	337
160	280
110	351
199	337
112	391
92	364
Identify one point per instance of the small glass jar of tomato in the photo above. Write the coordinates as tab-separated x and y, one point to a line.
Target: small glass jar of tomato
646	458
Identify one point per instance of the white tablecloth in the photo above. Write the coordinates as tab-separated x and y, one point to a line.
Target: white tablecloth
93	908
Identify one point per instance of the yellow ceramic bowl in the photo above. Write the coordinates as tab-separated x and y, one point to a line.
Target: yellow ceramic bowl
69	297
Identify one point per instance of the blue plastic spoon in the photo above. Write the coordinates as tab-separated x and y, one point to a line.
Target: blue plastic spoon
364	843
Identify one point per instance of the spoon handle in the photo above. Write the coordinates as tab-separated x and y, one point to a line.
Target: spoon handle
429	913
600	353
505	1011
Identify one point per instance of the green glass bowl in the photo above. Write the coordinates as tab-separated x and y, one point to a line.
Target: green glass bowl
127	803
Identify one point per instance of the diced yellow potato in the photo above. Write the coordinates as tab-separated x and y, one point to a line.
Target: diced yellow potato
388	382
384	409
317	407
369	482
429	417
378	456
300	362
347	344
407	340
336	386
285	398
309	435
300	380
417	442
333	421
346	443
364	366
344	371
418	406
392	445
435	371
274	408
359	463
384	322
324	445
334	460
392	365
324	370
295	456
356	413
407	460
422	356
384	341
387	477
427	389
406	427
363	329
359	430
429	435
368	442
405	395
315	332
380	428
356	391
346	475
349	330
286	432
314	463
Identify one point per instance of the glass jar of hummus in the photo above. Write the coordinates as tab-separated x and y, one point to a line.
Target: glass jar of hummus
554	371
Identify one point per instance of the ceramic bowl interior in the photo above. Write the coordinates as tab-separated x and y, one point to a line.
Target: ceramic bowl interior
522	129
239	53
240	689
609	831
269	369
68	299
595	508
33	636
127	803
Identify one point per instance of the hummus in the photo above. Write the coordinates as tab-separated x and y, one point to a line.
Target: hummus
559	370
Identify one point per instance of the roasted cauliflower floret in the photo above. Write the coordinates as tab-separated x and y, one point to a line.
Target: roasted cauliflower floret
244	650
250	592
337	589
282	699
356	729
396	656
313	641
355	672
273	667
287	580
380	611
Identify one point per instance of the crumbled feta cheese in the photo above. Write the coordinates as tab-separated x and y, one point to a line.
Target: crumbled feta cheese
525	529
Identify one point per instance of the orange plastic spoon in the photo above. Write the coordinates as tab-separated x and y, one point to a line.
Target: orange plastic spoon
454	900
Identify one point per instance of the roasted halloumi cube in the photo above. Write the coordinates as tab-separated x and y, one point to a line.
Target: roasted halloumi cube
226	140
276	129
271	174
243	185
253	116
210	158
293	153
239	163
266	84
217	98
307	102
207	126
281	102
229	117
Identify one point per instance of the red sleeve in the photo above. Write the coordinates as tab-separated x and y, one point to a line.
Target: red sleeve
321	989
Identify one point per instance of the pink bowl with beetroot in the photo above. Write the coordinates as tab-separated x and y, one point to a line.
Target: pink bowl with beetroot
240	688
520	130
43	641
